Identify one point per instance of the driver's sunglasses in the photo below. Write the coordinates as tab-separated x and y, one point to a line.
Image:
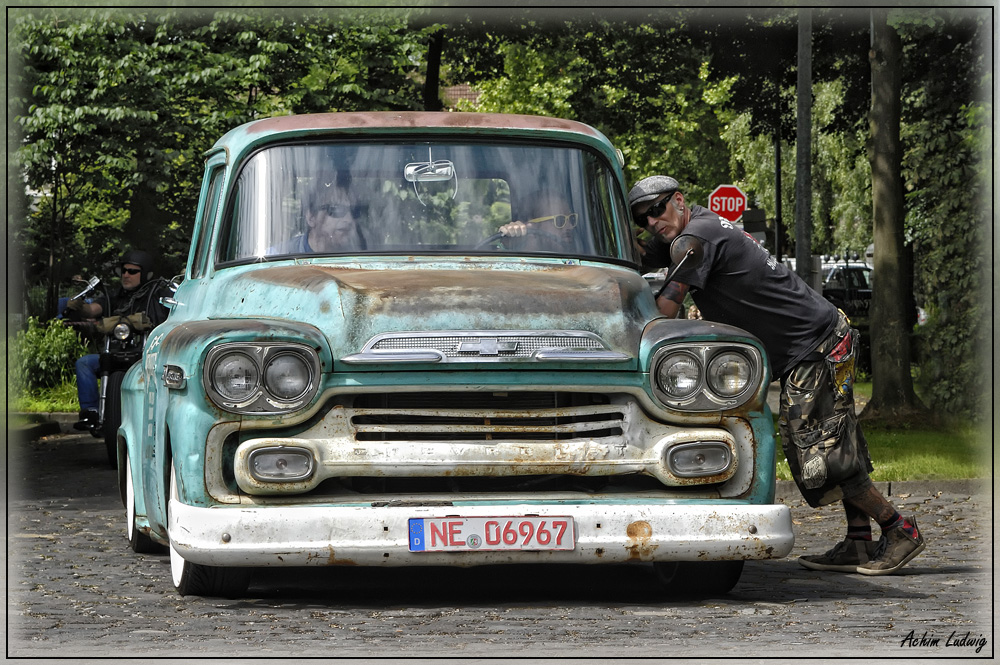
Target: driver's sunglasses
560	221
131	271
655	210
339	210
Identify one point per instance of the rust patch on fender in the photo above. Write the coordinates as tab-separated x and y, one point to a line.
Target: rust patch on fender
331	559
639	534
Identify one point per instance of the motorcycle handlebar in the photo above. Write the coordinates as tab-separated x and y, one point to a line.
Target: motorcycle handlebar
91	283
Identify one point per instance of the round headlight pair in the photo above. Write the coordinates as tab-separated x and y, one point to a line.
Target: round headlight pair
237	377
681	374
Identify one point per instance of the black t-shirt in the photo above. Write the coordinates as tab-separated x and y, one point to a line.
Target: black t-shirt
739	283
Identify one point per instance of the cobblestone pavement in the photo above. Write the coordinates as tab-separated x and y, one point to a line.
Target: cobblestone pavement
75	590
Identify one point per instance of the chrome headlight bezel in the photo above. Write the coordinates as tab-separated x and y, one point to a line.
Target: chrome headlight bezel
260	397
122	331
706	394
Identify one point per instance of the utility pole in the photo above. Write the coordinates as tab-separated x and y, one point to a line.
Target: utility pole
777	194
803	152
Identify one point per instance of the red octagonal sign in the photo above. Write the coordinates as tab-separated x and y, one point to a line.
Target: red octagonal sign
728	201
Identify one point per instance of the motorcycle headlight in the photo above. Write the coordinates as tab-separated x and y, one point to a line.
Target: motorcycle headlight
122	332
235	376
729	373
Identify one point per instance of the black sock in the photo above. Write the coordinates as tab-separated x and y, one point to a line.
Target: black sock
859	532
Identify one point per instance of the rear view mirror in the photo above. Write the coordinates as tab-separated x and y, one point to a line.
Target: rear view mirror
686	249
439	171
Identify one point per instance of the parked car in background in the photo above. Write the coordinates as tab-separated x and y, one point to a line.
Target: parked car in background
363	366
848	285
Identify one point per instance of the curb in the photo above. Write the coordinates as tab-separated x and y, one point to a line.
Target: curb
42	424
35	431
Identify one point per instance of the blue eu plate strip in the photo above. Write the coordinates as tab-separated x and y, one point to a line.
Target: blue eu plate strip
416	535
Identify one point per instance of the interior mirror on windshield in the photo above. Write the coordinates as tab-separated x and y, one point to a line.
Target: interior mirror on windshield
441	170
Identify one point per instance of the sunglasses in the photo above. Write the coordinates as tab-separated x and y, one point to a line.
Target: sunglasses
570	220
131	271
655	210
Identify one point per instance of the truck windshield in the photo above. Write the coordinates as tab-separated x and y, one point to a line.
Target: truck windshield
423	197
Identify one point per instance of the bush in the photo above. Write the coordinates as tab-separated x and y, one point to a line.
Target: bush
43	355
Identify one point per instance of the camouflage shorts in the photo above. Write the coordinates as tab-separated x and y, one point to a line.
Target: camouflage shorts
823	443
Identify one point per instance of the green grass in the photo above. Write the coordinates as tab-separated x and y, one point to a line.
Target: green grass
62	398
918	453
921	454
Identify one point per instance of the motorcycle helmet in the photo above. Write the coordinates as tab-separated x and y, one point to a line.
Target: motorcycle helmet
139	258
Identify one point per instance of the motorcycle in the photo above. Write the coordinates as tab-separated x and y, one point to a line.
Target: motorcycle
122	338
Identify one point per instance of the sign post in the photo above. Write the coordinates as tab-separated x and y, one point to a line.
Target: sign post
728	202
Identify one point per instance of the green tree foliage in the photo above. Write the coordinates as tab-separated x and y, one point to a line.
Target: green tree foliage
645	85
115	109
947	169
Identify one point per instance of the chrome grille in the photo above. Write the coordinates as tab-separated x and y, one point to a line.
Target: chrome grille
485	417
489	344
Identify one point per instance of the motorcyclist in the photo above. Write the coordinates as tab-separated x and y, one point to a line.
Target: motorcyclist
139	292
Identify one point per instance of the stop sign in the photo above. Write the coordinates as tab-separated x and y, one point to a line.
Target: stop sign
728	201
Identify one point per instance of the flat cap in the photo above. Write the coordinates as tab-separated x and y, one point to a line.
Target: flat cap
649	188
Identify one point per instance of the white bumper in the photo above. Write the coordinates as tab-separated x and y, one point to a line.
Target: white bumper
606	532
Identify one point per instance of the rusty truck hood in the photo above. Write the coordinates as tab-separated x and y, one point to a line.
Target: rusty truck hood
351	304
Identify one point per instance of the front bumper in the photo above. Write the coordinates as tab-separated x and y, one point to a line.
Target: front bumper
608	531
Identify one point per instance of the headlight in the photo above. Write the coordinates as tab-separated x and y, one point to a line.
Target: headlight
262	377
729	373
679	375
122	332
706	376
287	376
235	376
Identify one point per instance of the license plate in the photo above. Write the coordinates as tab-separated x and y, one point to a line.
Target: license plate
469	534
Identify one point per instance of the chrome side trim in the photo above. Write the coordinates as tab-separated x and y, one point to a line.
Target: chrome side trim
464	346
394	356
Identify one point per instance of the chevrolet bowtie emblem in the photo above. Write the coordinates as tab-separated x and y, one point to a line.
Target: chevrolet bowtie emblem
488	346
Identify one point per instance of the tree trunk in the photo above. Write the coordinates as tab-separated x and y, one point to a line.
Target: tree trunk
892	390
55	240
146	225
432	93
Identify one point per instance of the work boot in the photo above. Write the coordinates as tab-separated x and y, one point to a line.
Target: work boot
88	419
844	557
895	549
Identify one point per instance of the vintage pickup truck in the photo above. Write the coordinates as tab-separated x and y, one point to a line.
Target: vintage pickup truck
413	339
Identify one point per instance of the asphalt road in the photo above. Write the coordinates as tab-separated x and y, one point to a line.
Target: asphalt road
75	590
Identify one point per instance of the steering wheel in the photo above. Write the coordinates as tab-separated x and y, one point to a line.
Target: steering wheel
489	241
532	230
